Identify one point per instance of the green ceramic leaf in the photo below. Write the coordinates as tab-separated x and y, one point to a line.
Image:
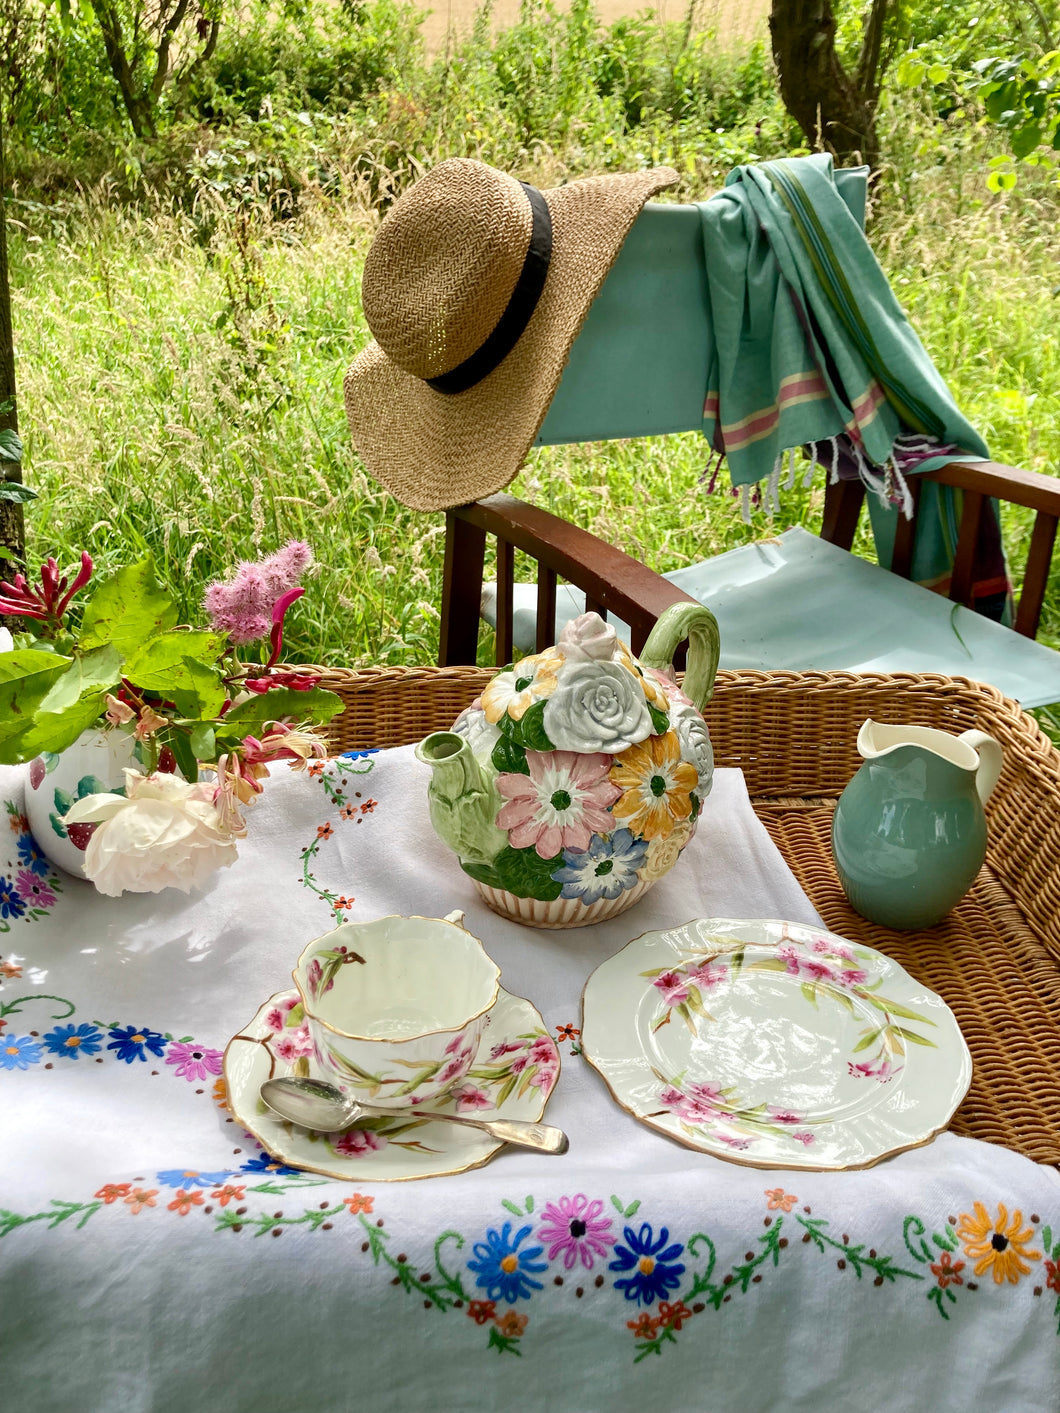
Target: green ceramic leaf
697	805
128	609
526	874
531	731
660	721
509	758
63	801
485	874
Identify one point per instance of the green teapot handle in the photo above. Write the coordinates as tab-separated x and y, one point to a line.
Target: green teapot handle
700	627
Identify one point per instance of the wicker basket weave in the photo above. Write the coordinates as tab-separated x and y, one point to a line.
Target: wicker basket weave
995	959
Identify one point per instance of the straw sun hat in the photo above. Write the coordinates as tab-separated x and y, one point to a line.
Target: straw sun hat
474	288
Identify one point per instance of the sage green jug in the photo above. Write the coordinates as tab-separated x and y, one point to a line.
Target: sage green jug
909	833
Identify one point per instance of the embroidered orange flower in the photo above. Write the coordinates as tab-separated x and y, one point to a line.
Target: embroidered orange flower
481	1311
359	1203
948	1271
185	1201
111	1191
140	1198
566	1032
324	831
19	823
657	786
998	1246
227	1194
511	1323
220	1093
347	811
643	1327
673	1315
343	904
1052	1275
778	1200
317	767
8	969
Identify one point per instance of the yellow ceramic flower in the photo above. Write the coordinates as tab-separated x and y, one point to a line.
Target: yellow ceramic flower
663	852
656	785
531	680
998	1246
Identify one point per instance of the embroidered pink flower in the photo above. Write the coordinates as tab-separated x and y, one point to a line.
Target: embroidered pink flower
193	1062
574	1226
359	1142
34	890
560	805
469	1097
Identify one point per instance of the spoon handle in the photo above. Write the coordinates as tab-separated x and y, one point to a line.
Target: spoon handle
541	1137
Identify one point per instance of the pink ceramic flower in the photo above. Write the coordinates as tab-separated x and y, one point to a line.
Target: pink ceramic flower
292	1044
359	1143
574	1226
674	987
560	805
469	1098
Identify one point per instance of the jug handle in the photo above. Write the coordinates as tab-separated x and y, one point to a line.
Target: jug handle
991	759
700	627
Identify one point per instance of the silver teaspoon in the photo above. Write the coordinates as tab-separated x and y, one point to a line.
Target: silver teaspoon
315	1104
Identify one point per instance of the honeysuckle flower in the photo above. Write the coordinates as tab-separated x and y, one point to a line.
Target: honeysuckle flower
118	712
48	603
561	803
597	706
164	833
148	722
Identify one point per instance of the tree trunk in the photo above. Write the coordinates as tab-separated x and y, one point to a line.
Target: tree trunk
835	112
12	532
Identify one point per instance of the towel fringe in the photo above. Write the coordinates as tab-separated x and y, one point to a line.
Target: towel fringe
745	504
790	482
807	480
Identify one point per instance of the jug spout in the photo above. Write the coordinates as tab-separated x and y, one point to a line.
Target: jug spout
462	800
971	756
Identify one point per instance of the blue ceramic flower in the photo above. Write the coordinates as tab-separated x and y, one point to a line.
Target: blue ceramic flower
132	1043
18	1052
71	1040
30	854
502	1270
655	1269
12	903
604	870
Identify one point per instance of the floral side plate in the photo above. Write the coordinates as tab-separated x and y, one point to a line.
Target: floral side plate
774	1044
512	1076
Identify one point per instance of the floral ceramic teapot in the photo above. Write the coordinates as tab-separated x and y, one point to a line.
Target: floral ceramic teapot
577	778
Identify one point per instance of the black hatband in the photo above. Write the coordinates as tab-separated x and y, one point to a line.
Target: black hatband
518	311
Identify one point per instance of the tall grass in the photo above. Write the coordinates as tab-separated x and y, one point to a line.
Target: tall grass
180	355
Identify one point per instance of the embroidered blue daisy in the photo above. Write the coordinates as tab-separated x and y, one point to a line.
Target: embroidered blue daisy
18	1052
132	1042
264	1164
502	1270
604	870
30	854
187	1178
655	1270
12	903
71	1040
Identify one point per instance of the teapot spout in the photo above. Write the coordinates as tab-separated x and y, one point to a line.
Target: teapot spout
462	800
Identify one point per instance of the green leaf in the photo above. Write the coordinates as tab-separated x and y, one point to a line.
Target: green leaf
10	445
250	717
894	1009
128	610
26	676
1024	140
90	674
509	758
203	741
810	992
526	874
180	745
632	1209
16	491
53	732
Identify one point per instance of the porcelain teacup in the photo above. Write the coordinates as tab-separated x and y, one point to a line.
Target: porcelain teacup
396	1007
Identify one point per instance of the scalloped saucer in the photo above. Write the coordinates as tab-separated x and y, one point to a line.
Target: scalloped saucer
774	1044
512	1076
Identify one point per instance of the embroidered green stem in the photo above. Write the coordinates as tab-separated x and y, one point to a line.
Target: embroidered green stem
883	1266
313	1218
444	1293
12	1007
62	1211
504	1344
275	1188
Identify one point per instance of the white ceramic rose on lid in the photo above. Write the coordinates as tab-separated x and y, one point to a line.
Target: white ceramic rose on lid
577	778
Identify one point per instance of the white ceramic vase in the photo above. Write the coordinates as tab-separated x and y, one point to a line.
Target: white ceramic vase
93	765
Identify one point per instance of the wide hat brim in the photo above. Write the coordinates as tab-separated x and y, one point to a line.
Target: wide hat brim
434	450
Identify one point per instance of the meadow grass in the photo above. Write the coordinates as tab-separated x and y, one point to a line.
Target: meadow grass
180	375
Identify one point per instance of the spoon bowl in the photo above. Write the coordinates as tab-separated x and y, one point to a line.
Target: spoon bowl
315	1104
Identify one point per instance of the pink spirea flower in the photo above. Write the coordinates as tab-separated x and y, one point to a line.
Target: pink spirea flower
194	1062
359	1143
574	1226
560	805
242	606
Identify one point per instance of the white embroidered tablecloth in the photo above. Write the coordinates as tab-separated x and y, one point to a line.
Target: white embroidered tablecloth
154	1260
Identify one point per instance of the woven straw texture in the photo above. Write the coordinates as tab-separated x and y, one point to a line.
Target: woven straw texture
995	959
433	450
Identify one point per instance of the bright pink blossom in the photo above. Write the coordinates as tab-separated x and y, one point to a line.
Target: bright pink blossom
245	606
48	603
194	1062
574	1226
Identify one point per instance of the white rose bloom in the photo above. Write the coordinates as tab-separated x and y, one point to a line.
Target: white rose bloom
7	643
480	734
165	833
597	706
588	639
695	745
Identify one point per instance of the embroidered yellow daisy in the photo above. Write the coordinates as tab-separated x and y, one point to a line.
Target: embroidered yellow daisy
656	785
531	680
998	1246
